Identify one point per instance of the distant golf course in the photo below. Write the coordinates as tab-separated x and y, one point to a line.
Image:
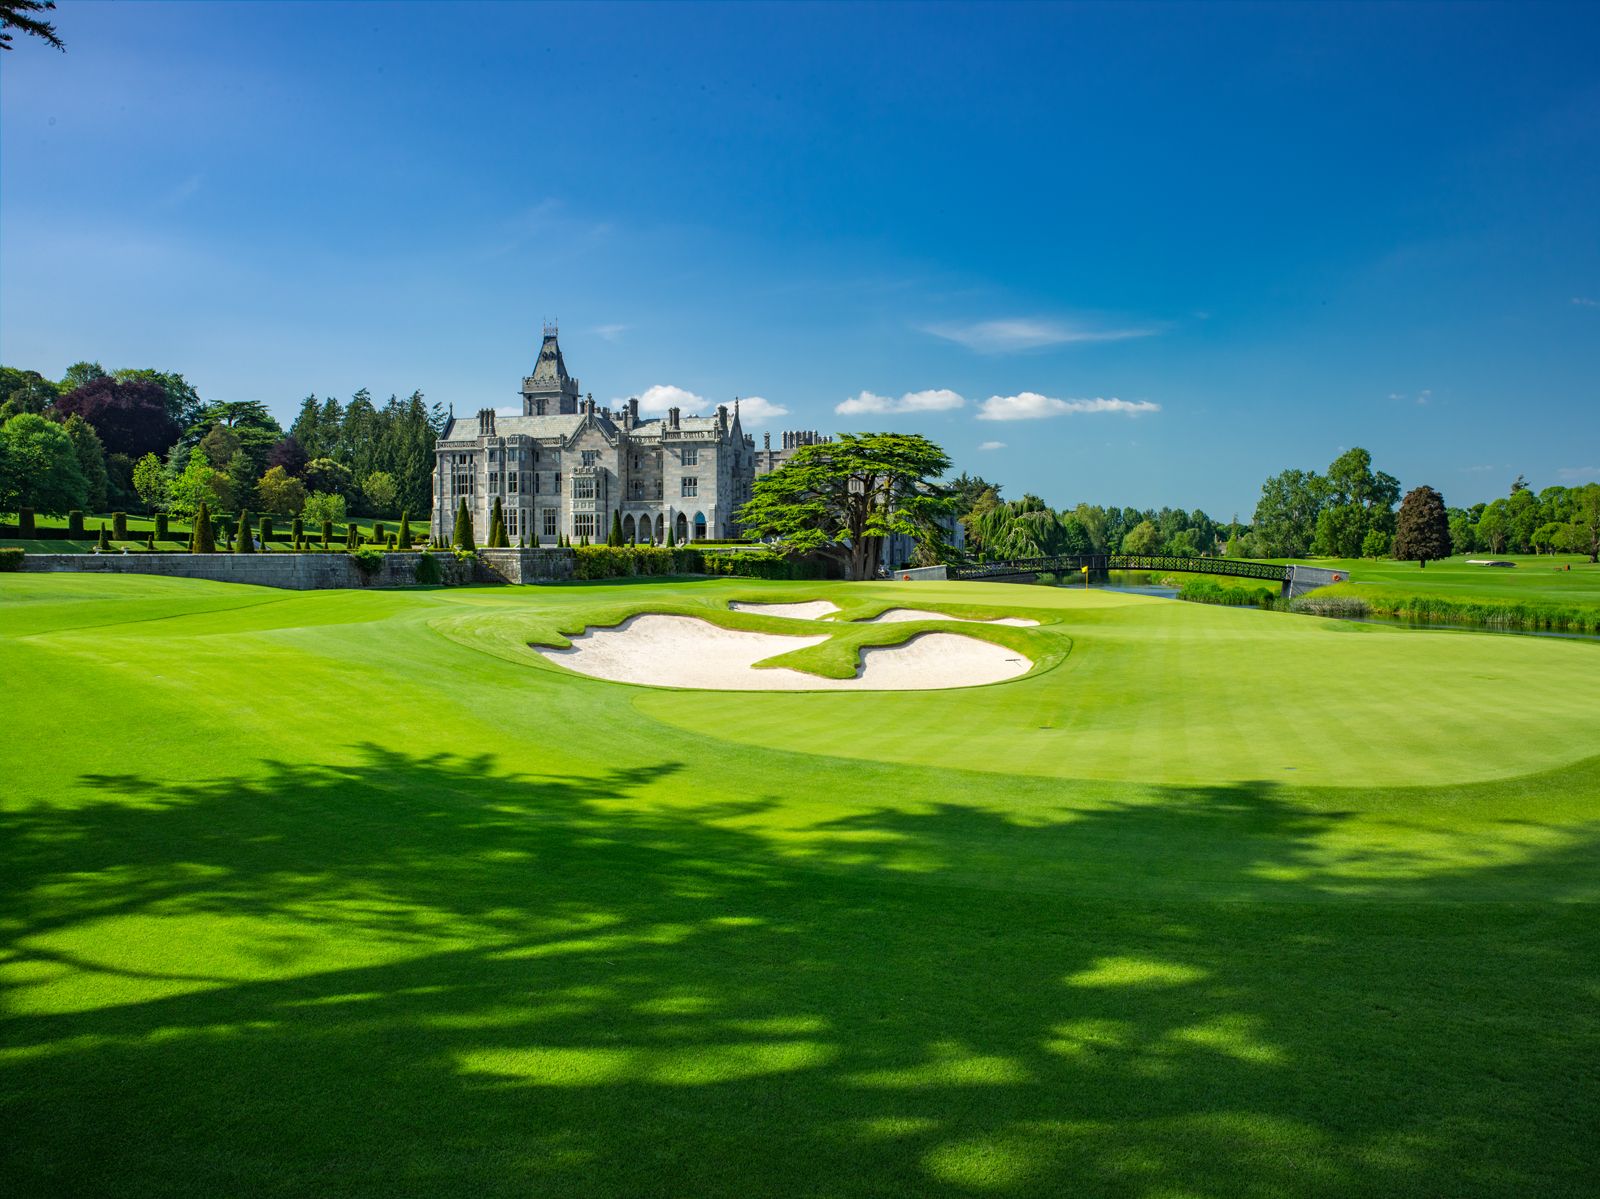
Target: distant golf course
357	893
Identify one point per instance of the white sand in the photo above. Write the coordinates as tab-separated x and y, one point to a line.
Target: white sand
680	651
810	610
900	615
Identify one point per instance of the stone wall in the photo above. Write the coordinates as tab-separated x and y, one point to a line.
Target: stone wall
297	572
526	566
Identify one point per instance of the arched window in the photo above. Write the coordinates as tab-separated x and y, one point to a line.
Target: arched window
699	526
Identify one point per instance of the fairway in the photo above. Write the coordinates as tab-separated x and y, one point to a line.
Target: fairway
358	894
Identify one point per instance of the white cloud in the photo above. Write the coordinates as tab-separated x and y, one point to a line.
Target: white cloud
1030	405
1585	302
940	400
756	411
663	396
512	410
1025	333
1480	469
610	332
1579	472
992	445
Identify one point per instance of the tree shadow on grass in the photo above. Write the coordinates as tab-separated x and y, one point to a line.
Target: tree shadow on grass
424	975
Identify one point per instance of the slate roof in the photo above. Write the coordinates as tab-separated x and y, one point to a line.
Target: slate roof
551	369
565	425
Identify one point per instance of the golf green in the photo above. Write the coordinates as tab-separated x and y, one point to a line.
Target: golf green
352	893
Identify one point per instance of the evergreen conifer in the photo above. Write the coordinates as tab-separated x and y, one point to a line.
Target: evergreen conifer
243	544
616	528
463	539
104	544
405	531
205	535
497	526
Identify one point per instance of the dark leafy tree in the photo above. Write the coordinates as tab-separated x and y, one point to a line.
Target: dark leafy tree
18	15
24	391
840	499
289	454
39	467
131	418
91	461
183	401
1422	530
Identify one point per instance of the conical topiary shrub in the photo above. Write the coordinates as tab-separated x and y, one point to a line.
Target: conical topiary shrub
104	544
205	534
405	531
463	539
243	543
497	526
616	528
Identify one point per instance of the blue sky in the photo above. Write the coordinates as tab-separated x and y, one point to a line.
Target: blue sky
1135	254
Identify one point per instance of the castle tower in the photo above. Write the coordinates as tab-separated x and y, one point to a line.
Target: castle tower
549	391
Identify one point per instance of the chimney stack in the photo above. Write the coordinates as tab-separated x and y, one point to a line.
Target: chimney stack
672	418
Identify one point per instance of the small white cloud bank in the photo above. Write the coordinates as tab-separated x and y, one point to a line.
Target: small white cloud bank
992	445
1586	302
1576	473
1030	405
753	410
758	410
663	396
867	402
610	332
1025	333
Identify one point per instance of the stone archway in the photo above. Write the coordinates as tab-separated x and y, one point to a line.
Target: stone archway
699	526
628	528
681	529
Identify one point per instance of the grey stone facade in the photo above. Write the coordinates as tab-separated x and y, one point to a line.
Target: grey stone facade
566	464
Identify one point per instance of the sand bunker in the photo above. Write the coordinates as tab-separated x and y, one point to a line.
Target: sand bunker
810	610
680	651
900	615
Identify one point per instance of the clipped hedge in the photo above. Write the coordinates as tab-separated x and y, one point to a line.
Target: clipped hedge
762	564
636	561
11	559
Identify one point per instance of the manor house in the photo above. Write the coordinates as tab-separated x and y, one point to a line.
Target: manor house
565	465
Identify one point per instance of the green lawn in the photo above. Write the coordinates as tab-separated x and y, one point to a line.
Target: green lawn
350	893
1535	577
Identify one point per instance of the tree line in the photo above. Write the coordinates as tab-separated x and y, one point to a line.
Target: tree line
138	439
1348	511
